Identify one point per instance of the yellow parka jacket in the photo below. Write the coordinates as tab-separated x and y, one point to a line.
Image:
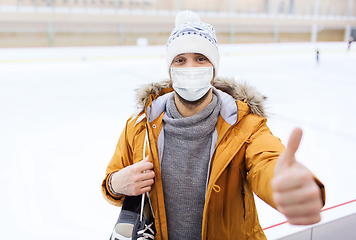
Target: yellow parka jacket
243	162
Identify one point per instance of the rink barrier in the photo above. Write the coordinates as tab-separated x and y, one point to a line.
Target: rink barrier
323	210
79	59
223	54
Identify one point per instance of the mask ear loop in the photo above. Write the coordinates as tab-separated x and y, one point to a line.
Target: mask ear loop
170	75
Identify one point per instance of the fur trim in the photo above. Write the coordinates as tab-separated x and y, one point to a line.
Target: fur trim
239	91
143	93
242	92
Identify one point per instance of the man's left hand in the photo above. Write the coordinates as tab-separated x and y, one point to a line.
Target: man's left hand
296	193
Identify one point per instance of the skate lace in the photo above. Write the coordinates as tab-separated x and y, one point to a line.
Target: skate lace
150	234
146	235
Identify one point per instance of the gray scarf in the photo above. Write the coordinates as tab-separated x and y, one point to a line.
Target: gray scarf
186	155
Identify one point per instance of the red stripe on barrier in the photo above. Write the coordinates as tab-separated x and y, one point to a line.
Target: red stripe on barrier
325	209
276	225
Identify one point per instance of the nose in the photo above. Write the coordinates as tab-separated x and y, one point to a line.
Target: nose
190	62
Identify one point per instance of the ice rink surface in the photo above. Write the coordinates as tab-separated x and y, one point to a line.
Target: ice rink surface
63	109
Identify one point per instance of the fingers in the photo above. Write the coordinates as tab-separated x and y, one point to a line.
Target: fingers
300	208
300	195
297	195
149	174
303	209
291	179
305	220
295	191
143	190
142	166
142	187
134	179
143	176
140	183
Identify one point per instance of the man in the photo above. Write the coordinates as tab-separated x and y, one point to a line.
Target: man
208	149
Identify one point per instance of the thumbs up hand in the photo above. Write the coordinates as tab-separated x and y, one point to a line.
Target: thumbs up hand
295	191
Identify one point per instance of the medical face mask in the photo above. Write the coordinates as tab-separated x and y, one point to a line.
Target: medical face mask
192	83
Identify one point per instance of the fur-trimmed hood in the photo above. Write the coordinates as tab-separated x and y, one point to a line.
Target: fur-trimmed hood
239	91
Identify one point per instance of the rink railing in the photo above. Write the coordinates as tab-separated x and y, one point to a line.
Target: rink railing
155	7
338	224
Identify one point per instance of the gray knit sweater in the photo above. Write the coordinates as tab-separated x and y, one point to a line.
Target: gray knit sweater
186	155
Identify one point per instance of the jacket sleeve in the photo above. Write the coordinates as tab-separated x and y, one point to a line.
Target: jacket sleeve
262	153
123	157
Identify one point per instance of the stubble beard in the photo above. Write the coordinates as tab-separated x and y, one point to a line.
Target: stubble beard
192	104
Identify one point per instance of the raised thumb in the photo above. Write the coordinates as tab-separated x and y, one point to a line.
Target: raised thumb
294	140
287	158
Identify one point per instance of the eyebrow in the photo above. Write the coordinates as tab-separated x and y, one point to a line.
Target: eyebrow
199	55
195	54
179	55
192	53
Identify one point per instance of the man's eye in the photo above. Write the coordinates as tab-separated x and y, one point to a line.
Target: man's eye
201	59
179	60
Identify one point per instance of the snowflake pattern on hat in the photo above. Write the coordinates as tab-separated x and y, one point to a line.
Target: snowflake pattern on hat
190	35
193	27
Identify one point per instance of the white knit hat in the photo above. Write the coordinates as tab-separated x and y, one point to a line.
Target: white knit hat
192	36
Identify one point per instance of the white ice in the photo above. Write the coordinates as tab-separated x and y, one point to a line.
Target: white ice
63	109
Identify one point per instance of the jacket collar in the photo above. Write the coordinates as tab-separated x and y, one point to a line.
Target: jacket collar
227	88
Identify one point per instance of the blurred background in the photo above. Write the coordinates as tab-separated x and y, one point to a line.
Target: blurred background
69	69
40	23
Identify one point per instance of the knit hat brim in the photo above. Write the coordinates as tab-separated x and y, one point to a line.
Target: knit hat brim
197	44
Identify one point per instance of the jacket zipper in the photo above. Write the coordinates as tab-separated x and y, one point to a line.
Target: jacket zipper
217	145
228	130
212	157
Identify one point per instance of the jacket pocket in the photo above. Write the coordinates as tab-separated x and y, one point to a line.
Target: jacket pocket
246	195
